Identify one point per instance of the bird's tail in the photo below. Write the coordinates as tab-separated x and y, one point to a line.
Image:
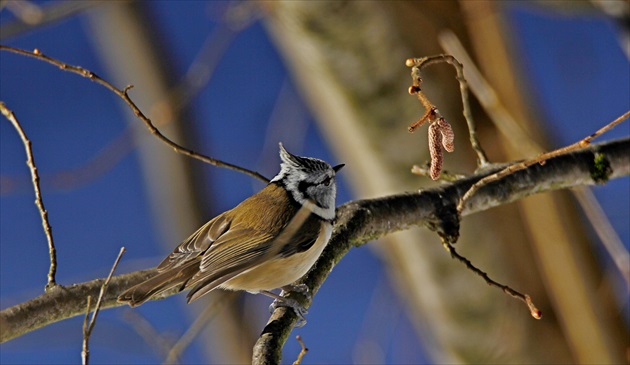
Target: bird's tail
160	283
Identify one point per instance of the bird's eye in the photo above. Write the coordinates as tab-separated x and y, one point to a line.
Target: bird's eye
327	181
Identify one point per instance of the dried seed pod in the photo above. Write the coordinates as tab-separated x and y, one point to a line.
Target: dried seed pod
435	149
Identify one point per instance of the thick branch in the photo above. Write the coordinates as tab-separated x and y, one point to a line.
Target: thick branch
357	223
361	221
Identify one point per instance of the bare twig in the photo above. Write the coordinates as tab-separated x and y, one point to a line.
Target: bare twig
444	175
30	161
204	318
122	144
508	126
197	76
35	14
123	94
236	17
432	113
524	297
303	351
149	334
587	141
540	159
523	142
87	328
488	98
610	239
85	350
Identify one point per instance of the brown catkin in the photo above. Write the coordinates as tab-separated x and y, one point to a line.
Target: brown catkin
435	149
448	137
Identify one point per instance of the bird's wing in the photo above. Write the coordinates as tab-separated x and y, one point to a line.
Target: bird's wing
219	250
242	248
181	265
197	243
223	248
237	245
237	250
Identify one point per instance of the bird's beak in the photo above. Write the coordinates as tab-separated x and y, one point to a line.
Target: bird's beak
338	167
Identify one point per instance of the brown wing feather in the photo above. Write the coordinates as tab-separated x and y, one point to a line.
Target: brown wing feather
241	249
197	243
181	265
236	251
162	282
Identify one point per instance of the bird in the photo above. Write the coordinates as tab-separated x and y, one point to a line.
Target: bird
268	241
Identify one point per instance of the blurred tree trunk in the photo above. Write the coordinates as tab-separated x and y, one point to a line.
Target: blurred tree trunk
348	59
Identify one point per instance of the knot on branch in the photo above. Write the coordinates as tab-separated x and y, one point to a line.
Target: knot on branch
445	221
601	169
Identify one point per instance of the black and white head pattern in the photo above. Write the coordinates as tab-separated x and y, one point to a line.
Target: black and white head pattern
309	178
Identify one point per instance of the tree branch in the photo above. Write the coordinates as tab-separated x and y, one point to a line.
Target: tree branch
357	223
364	220
39	201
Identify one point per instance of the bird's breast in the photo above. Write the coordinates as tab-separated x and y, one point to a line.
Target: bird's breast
281	271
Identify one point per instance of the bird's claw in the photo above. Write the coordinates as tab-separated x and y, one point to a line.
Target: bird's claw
296	288
299	309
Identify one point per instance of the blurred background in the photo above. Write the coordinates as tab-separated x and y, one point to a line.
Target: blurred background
231	80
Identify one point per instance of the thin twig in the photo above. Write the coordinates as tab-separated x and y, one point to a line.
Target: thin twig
303	352
44	14
149	334
85	352
587	141
123	94
540	159
87	329
444	175
523	142
488	98
204	318
197	76
604	229
39	202
417	64
524	297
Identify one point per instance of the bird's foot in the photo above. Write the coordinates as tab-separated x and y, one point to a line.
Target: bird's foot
298	288
281	301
